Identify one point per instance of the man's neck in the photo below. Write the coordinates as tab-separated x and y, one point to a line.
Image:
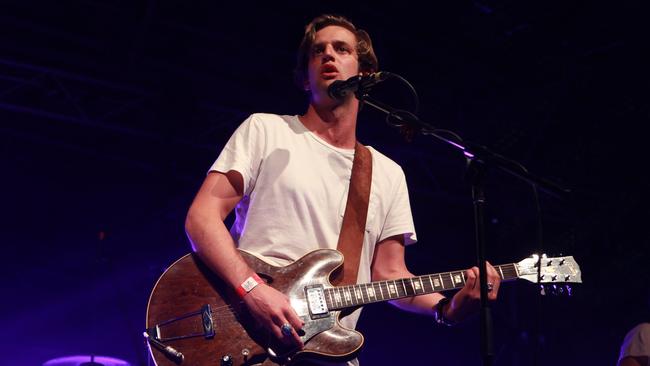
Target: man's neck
334	124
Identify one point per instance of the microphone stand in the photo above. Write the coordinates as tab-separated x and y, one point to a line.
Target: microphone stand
479	158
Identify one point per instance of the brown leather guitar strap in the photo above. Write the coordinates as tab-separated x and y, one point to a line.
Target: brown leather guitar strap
354	220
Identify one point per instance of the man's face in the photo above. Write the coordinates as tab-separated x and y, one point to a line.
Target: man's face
332	56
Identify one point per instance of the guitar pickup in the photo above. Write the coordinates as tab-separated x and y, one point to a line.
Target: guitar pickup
316	301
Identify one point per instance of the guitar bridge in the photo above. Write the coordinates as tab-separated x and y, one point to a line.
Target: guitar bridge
316	302
185	326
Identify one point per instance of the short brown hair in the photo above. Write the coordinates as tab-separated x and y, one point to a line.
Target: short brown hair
367	59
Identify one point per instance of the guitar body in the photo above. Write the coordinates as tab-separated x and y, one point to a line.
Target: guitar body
177	315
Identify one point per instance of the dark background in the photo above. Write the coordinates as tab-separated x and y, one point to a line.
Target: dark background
111	112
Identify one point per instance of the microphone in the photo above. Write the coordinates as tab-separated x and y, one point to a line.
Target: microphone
341	88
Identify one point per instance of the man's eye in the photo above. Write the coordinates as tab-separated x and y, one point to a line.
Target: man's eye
342	49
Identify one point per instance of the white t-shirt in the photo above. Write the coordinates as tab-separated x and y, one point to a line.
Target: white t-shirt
295	193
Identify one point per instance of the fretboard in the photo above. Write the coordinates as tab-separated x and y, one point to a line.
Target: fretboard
342	297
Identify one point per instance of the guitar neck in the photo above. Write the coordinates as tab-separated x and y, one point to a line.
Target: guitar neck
343	297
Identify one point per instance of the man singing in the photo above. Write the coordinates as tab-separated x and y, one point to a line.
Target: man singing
287	177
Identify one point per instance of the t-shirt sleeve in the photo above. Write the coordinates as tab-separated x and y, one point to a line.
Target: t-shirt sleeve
243	152
399	219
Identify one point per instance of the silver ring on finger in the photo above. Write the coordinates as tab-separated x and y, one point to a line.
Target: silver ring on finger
286	329
490	286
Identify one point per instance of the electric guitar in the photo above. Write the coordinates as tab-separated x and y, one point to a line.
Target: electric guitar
194	318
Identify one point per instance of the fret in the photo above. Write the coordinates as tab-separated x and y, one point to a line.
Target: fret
402	290
346	294
442	283
464	279
415	285
392	291
433	288
337	297
377	294
501	271
370	292
516	269
436	283
365	293
382	292
418	285
409	289
456	278
357	293
328	299
449	281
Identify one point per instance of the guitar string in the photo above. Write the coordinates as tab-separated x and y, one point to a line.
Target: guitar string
226	314
227	310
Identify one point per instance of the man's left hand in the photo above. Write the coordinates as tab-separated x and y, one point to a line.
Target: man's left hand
467	301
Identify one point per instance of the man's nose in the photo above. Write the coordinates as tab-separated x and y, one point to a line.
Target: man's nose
328	53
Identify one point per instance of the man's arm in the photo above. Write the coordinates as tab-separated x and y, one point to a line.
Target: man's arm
212	242
388	263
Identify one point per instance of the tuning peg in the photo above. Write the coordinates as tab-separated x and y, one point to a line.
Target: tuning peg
567	277
562	261
535	260
554	278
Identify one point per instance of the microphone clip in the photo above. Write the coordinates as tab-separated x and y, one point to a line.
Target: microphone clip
360	85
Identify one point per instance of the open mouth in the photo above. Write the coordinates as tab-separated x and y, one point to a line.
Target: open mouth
329	71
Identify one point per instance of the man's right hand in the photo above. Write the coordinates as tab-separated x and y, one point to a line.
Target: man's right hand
272	309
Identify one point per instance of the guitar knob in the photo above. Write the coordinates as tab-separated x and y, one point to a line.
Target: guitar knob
226	360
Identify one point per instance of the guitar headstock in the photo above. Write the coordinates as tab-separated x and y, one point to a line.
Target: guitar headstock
554	271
